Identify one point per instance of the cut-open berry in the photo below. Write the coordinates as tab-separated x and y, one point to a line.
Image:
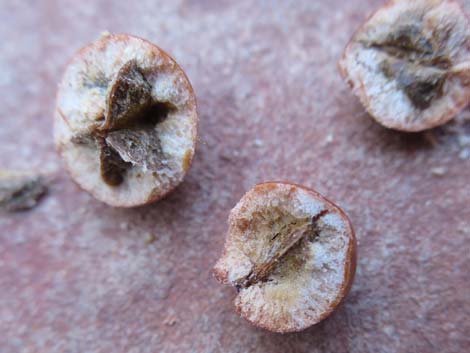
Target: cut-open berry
126	120
291	255
409	64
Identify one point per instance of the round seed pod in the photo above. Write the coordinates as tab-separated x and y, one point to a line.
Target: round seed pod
291	255
125	121
409	64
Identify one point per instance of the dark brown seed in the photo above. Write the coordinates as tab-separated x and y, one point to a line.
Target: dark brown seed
129	97
422	90
421	86
113	167
406	42
140	146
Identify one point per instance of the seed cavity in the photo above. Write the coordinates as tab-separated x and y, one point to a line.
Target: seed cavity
126	136
418	64
281	243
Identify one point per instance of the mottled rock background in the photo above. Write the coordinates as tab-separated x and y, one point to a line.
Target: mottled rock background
78	276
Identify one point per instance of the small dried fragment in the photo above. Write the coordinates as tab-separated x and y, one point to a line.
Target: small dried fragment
126	121
170	321
409	64
20	191
290	254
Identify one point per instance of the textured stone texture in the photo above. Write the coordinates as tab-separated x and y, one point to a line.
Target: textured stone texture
78	276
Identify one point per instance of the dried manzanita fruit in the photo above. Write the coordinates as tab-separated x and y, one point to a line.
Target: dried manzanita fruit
409	64
291	255
126	121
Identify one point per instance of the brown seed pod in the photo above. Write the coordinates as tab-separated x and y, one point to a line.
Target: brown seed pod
125	121
409	64
290	253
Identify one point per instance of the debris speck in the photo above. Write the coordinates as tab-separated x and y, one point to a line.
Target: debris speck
389	330
258	143
225	157
81	211
124	226
329	138
150	238
439	171
170	321
464	154
464	140
104	34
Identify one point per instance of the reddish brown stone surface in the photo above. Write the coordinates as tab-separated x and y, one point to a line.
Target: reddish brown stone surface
79	276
